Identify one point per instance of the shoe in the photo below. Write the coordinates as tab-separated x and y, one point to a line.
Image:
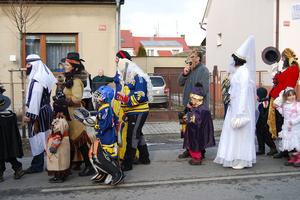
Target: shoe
32	171
125	167
77	167
260	152
238	166
87	171
297	160
184	155
118	178
1	177
195	162
291	161
56	180
144	155
281	154
19	173
272	152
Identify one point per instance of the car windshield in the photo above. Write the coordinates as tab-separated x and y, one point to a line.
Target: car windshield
157	81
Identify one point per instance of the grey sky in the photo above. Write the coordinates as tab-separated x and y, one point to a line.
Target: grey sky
165	17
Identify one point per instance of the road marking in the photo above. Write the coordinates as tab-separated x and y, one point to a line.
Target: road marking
168	182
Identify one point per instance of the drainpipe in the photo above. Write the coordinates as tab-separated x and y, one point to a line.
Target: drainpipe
118	17
277	24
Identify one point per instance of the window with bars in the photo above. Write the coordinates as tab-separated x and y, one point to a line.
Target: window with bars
51	48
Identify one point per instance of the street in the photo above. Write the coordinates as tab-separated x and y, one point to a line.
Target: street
167	178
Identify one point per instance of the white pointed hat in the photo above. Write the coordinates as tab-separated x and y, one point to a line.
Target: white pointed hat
243	51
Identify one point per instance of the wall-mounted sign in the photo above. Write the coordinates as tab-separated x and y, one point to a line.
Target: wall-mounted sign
102	27
296	11
286	23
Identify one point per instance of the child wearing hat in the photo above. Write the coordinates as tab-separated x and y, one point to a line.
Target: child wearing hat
200	129
10	139
262	129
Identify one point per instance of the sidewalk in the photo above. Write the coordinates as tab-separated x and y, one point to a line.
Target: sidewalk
164	168
173	127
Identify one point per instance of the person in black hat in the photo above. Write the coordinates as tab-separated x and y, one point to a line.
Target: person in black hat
75	81
10	140
262	129
199	130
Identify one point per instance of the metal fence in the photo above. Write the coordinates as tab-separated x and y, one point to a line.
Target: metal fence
216	78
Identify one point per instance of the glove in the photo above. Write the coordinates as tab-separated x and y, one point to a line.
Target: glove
239	121
53	150
123	98
117	78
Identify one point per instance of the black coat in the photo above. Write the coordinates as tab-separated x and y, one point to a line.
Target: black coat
10	139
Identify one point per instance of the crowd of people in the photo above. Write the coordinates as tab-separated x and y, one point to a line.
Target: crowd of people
89	123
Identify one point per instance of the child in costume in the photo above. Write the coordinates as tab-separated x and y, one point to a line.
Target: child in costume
262	129
104	152
200	129
58	151
288	106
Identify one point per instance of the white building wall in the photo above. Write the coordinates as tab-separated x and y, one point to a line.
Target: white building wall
236	20
289	36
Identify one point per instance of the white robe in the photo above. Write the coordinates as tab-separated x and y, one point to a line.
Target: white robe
237	146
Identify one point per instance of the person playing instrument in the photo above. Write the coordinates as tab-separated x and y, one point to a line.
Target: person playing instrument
134	98
287	77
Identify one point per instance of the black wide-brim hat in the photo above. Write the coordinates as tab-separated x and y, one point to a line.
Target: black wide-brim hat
4	102
72	56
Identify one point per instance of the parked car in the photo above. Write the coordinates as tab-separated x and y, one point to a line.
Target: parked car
160	91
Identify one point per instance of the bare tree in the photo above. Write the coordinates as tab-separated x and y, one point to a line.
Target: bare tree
22	14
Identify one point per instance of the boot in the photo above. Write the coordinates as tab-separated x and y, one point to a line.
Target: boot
281	154
56	180
184	155
260	152
1	177
108	165
87	171
144	155
19	173
195	162
128	159
297	160
291	161
272	151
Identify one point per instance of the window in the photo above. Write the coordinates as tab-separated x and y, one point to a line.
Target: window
150	52
219	39
175	51
157	81
51	47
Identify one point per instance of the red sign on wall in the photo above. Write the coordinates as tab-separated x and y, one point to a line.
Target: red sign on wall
286	23
102	27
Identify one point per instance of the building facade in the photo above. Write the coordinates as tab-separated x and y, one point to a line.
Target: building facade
88	27
228	23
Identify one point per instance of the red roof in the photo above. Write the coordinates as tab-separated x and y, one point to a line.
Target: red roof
126	39
130	41
164	53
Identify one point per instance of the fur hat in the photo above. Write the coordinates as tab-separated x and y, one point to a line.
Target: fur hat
291	56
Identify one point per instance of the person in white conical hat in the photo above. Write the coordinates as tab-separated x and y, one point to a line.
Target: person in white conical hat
39	112
237	143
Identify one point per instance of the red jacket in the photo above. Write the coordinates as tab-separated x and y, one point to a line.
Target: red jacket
287	78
